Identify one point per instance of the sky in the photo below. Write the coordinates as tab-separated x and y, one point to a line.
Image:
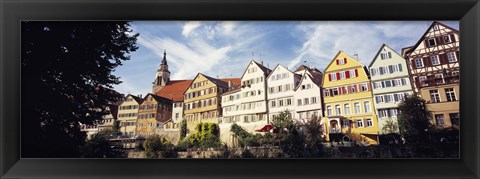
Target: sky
224	48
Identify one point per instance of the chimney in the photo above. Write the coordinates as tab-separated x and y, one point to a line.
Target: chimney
356	56
229	84
261	62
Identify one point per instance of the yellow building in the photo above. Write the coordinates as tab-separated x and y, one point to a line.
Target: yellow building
127	114
348	103
153	112
202	99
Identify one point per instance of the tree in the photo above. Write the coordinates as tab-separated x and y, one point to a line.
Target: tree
390	126
99	147
153	146
414	120
314	139
183	129
66	75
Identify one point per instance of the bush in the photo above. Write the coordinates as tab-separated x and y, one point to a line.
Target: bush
207	136
99	147
157	147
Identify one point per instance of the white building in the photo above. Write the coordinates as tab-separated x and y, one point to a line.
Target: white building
280	87
307	95
246	105
390	82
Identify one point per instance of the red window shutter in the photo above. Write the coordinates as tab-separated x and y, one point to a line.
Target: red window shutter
340	91
345	60
349	89
344	89
356	88
356	72
458	55
439	40
426	43
337	61
329	77
427	62
338	75
368	86
443	58
347	74
351	124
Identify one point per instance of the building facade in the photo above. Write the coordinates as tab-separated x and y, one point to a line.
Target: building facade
434	63
281	83
109	121
246	104
390	79
349	109
307	95
153	112
127	114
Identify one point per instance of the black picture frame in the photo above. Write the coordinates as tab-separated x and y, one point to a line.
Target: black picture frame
12	12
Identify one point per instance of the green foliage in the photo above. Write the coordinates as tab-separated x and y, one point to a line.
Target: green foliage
314	139
245	138
283	121
390	126
158	147
414	120
99	147
207	136
293	143
183	129
66	72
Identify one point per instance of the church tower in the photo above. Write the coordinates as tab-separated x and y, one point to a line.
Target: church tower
162	77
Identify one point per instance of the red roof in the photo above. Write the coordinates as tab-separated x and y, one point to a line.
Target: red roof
175	89
235	81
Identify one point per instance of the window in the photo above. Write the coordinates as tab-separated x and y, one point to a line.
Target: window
366	106
176	115
333	77
439	76
388	98
345	123
435	60
271	90
329	110
289	102
439	119
450	93
434	96
356	107
363	87
352	74
341	61
287	87
382	113
369	122
273	104
342	75
386	55
306	101
280	102
346	108
373	71
335	92
451	57
379	99
419	63
447	39
432	42
388	83
454	118
314	100
422	80
326	92
299	102
338	110
279	88
359	122
353	89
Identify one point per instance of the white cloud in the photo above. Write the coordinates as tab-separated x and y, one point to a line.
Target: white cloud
189	27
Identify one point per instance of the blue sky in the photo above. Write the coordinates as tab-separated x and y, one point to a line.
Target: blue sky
223	48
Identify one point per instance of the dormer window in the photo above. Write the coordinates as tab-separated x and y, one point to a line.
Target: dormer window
341	61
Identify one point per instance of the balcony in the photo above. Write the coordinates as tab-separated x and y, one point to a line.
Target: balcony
431	81
335	130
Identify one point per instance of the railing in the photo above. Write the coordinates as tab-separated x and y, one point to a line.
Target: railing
439	81
335	130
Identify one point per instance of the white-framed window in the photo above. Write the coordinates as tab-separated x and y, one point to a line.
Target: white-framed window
386	55
379	99
356	107
341	61
342	75
306	101
422	80
373	71
338	110
369	122
352	89
393	112
432	42
346	123
329	110
439	76
335	91
326	92
378	84
366	106
359	122
363	87
289	102
388	98
334	76
450	93
352	73
434	96
439	119
382	113
299	102
273	103
280	102
346	108
451	57
419	63
435	60
314	100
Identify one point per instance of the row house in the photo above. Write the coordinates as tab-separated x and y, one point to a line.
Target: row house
434	64
202	99
390	79
246	104
307	94
281	83
347	94
153	112
128	113
174	90
109	121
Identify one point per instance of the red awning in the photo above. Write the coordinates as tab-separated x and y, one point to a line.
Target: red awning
265	128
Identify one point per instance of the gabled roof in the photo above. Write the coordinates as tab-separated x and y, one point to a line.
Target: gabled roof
378	53
314	73
223	82
265	70
278	66
157	98
136	98
428	29
175	89
335	57
303	78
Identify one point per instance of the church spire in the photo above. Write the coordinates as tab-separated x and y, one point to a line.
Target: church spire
164	61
